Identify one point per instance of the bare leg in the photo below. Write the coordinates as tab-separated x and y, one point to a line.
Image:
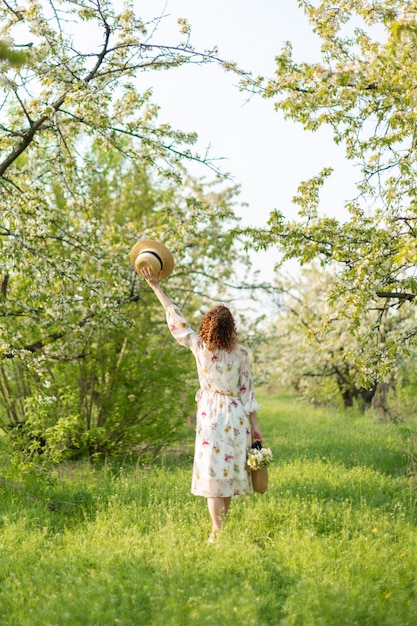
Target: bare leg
218	508
227	502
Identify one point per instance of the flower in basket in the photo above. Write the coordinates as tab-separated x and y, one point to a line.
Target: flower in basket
259	458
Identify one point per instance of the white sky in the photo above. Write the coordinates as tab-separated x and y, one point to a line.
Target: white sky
266	155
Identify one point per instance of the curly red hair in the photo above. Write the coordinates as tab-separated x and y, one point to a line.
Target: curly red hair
218	329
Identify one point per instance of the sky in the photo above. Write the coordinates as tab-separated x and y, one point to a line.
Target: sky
266	155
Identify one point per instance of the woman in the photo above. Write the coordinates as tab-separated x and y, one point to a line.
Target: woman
226	405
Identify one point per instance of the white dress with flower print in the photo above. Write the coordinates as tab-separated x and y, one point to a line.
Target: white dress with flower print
224	401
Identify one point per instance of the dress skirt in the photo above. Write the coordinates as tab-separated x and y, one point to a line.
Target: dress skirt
223	437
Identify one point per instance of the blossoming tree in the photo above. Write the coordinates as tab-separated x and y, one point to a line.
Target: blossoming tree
85	168
363	89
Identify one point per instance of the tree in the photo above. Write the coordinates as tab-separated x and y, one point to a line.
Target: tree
85	168
103	376
319	356
363	88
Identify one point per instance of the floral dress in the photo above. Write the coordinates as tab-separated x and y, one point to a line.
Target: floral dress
224	401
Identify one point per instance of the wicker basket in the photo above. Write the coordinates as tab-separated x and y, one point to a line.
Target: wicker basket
260	480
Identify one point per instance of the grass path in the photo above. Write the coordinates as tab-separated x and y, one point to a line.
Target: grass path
333	541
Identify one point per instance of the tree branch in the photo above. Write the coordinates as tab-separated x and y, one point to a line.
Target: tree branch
396	294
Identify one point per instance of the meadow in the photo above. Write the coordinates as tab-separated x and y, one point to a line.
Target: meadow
332	543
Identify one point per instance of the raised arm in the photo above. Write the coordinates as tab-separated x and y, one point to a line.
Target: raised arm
155	283
177	324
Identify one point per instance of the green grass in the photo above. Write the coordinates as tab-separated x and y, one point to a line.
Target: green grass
333	541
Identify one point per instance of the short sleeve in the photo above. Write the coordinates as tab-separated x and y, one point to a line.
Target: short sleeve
246	386
180	329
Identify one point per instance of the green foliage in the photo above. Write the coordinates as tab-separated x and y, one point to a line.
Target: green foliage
13	58
407	388
363	88
86	168
98	366
333	540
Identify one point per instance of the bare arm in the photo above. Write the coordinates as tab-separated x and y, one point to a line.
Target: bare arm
155	283
255	430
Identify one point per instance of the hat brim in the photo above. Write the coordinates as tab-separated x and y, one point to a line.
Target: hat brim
152	254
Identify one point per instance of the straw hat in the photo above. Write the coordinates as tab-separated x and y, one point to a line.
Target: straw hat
152	254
